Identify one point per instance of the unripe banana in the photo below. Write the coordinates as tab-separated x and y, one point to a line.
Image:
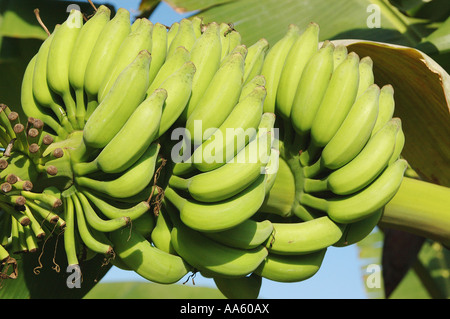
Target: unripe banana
149	262
298	57
293	268
386	107
359	205
102	55
131	182
239	288
171	33
257	80
136	41
304	237
399	144
254	60
159	49
247	235
124	149
205	254
273	65
362	169
59	55
41	91
205	54
238	129
354	132
126	94
80	55
337	101
224	30
218	100
311	89
218	216
160	235
339	55
366	76
184	37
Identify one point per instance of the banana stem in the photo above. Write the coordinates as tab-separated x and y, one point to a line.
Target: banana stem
314	169
178	182
421	208
314	202
315	185
174	198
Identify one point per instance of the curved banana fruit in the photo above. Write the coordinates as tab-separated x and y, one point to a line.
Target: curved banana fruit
293	268
59	54
366	76
254	60
149	262
80	55
311	89
257	80
355	131
159	51
137	40
126	94
247	235
222	215
213	257
304	237
213	186
359	205
386	107
42	93
273	65
239	288
206	56
217	101
160	235
362	169
130	182
297	58
124	149
102	56
233	134
337	101
184	37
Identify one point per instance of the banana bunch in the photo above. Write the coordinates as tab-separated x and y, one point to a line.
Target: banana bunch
285	151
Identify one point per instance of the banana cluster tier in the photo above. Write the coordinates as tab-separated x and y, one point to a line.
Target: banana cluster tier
180	150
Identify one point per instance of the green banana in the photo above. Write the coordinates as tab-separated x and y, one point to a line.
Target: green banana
102	56
159	49
354	132
173	63
386	107
399	144
197	23
171	33
239	288
184	37
218	100
359	205
149	262
126	94
297	58
254	60
366	76
257	80
362	169
29	105
337	101
234	39
233	134
224	30
339	55
203	253
293	268
273	65
133	212
129	183
304	237
222	215
160	235
41	91
205	54
311	89
136	41
179	88
359	230
80	55
124	149
69	232
214	186
247	235
59	54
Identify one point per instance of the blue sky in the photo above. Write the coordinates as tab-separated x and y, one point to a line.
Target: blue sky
340	275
